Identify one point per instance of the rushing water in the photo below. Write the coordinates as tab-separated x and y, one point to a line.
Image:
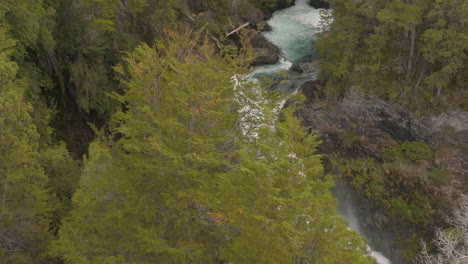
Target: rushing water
293	31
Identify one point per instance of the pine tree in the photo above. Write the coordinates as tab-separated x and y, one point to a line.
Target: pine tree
24	208
444	45
377	45
278	197
174	139
182	184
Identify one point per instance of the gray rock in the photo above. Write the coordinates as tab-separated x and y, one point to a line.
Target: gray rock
362	113
292	83
267	52
379	124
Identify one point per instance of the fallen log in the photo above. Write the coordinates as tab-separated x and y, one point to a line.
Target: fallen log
237	29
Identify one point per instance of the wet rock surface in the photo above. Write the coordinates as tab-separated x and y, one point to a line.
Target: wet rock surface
267	52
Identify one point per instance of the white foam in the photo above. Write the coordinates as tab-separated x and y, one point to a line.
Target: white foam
379	257
294	29
281	65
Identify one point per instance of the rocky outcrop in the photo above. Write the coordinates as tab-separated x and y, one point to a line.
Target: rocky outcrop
292	82
371	126
374	125
378	125
267	52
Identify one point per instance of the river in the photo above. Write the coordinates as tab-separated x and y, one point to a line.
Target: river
293	31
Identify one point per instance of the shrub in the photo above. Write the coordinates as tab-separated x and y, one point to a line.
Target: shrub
440	176
413	150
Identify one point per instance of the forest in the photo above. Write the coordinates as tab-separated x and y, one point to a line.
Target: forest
123	139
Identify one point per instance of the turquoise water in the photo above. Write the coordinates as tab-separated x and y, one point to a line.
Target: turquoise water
293	31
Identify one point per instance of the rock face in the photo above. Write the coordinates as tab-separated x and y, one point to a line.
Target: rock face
374	119
267	52
374	125
379	125
293	81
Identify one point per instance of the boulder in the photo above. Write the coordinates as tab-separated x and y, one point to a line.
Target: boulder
267	52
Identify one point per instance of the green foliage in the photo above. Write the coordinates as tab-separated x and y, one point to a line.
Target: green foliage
366	178
387	185
464	103
30	22
375	45
63	175
24	207
444	43
409	211
413	150
399	13
348	138
411	244
91	36
8	68
440	176
184	183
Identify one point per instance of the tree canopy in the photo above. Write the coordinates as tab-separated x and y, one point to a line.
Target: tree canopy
187	186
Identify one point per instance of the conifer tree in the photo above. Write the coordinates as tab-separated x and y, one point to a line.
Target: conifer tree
444	45
181	186
24	208
174	139
377	45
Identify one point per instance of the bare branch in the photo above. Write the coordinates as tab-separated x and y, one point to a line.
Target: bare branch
452	244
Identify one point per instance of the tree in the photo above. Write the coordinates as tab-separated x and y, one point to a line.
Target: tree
451	246
31	24
24	208
377	45
183	185
444	43
340	38
278	184
174	136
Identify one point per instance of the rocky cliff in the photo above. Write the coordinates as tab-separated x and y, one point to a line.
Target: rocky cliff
379	125
406	168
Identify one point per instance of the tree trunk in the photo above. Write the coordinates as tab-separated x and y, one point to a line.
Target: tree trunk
5	186
58	73
411	55
423	70
237	29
